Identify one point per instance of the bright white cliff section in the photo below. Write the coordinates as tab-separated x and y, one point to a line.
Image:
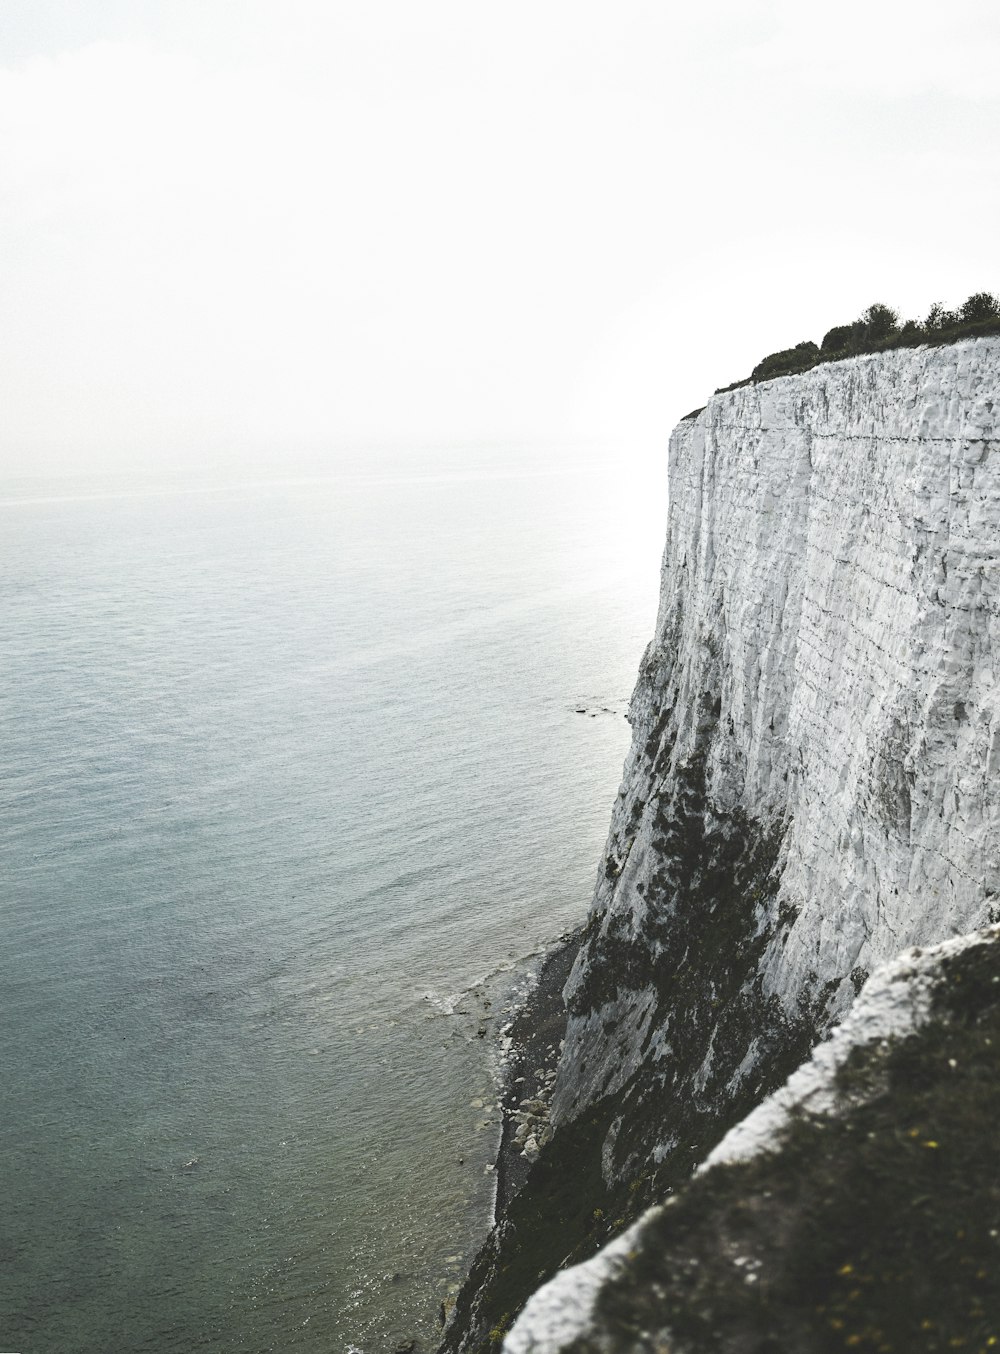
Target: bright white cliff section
832	575
848	556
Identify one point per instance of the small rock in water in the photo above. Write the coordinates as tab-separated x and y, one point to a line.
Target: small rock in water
476	1104
405	1347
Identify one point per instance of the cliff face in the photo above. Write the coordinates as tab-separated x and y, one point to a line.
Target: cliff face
822	679
812	784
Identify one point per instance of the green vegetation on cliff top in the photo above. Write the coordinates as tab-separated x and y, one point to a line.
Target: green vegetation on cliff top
878	329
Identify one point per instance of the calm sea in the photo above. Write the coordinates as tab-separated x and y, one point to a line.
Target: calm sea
293	783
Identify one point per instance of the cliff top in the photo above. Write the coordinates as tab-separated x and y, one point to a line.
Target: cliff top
876	330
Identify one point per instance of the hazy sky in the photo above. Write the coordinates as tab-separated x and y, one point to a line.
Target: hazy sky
245	228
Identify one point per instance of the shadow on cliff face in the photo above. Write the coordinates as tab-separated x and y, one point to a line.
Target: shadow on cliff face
877	1228
711	914
721	1043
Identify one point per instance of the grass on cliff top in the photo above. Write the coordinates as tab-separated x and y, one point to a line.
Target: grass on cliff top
878	1231
877	330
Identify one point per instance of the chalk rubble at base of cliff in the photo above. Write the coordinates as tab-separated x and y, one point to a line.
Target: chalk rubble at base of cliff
811	789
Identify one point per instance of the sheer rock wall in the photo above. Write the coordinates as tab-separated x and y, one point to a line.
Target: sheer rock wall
830	582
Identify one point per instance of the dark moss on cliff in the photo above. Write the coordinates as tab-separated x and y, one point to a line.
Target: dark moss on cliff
722	1045
712	915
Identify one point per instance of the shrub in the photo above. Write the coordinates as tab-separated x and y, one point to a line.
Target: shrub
842	338
879	328
799	358
980	306
938	318
880	322
911	334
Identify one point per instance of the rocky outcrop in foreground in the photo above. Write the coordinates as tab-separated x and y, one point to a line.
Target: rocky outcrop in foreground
812	787
857	1208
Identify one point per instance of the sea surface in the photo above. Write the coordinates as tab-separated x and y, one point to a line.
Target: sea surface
294	791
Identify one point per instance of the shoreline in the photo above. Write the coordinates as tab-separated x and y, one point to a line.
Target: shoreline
523	1024
533	1037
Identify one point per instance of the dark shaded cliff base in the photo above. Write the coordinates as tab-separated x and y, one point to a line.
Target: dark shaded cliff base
721	880
536	1033
562	1184
877	1230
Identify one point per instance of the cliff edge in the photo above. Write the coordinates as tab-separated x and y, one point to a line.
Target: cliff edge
811	786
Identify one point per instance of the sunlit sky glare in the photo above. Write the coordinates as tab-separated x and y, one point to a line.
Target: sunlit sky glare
235	229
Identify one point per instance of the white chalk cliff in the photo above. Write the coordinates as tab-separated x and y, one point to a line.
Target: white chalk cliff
813	780
832	578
